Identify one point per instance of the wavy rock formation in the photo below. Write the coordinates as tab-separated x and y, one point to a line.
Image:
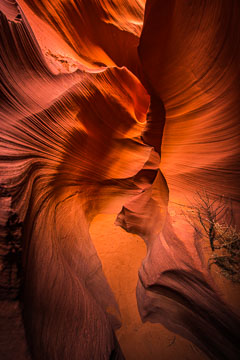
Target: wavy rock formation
130	110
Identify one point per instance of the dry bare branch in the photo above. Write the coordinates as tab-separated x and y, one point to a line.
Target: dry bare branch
213	218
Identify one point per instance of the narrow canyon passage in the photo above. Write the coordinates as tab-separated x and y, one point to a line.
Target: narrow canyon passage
121	254
114	115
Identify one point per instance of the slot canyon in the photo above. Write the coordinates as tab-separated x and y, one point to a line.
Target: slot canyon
119	179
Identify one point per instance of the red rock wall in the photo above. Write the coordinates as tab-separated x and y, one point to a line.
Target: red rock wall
119	113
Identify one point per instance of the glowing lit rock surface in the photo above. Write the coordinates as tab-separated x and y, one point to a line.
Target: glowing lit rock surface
110	110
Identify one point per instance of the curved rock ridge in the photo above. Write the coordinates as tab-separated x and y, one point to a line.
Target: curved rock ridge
66	142
95	126
102	33
192	64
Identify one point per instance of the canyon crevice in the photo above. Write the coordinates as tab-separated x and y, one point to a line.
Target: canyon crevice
116	110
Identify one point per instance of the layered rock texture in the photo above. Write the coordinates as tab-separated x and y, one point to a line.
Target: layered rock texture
115	109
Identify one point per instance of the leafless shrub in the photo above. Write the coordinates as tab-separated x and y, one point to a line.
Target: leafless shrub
227	251
213	218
